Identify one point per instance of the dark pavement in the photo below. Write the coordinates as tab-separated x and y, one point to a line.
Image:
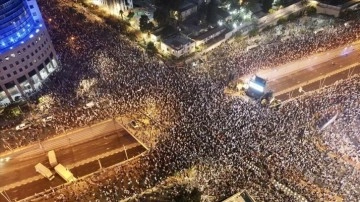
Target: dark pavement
21	169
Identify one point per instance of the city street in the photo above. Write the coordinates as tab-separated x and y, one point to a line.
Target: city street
19	173
313	72
42	184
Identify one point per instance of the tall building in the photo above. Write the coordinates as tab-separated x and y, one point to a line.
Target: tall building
114	6
27	55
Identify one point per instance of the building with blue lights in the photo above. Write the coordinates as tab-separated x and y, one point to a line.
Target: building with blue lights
27	56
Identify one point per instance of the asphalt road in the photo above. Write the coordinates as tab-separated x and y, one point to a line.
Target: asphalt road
42	184
313	72
316	85
21	169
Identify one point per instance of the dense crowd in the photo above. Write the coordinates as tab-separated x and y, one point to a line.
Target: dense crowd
232	144
298	41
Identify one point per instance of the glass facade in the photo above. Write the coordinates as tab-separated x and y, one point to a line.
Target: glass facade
23	34
16	23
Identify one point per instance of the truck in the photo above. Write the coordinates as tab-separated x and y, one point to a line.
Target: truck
64	173
52	158
44	171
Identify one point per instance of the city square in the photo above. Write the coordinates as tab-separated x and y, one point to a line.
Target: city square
183	100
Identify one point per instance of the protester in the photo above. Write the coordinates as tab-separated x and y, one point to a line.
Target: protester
232	144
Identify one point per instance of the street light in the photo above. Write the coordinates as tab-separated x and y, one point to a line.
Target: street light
6	159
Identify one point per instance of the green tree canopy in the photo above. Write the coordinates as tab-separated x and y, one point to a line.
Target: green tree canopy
161	16
130	15
267	4
211	16
150	47
145	25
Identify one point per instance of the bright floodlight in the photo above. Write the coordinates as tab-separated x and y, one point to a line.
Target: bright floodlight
256	86
96	2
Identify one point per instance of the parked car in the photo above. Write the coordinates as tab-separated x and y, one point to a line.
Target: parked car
23	126
47	119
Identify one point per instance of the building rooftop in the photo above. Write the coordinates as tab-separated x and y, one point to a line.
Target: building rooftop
222	13
165	32
177	41
185	6
210	32
335	2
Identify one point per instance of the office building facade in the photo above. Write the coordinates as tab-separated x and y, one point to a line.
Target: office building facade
27	56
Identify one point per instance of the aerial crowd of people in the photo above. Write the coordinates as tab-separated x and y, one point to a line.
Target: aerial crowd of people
232	144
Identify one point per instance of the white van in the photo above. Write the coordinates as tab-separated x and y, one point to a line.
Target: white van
52	158
44	171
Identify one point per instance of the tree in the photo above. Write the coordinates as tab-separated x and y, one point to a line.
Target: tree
211	16
145	25
267	4
121	12
202	11
151	47
251	4
161	16
234	4
282	20
188	196
130	15
175	4
310	10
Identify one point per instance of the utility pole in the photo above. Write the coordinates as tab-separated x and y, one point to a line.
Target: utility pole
100	164
125	152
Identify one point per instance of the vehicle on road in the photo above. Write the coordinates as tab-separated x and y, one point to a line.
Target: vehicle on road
64	173
134	124
44	171
52	158
47	119
23	126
